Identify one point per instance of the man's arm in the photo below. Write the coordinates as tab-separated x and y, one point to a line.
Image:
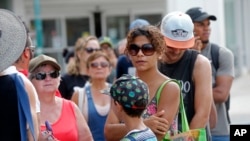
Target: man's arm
202	76
213	116
84	133
224	76
32	100
113	129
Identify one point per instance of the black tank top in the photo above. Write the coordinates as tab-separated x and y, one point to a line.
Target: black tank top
9	119
182	71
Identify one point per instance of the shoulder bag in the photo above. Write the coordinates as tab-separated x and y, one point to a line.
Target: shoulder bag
185	134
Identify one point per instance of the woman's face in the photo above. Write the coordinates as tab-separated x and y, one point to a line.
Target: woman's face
99	68
146	58
92	46
46	79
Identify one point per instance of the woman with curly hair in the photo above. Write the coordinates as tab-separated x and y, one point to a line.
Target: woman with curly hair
76	71
144	48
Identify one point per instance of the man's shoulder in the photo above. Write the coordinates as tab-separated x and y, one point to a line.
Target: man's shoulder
201	61
123	58
220	48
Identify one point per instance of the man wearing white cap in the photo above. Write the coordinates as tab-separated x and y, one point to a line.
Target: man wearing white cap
17	98
192	69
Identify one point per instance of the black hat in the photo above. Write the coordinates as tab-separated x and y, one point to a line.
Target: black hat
197	14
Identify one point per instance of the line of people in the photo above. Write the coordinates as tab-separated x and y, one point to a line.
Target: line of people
85	102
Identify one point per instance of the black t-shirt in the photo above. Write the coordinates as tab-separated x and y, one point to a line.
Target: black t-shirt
123	64
68	82
9	119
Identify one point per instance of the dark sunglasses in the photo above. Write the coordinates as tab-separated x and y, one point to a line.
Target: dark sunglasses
91	50
147	49
43	75
102	65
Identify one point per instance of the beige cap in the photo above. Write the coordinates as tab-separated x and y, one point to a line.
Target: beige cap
43	59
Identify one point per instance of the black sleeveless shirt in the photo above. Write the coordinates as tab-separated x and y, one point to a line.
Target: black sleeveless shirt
183	71
9	119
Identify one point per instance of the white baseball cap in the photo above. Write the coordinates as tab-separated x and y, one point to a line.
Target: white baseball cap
177	28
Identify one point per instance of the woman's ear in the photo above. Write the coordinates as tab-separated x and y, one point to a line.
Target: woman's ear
159	55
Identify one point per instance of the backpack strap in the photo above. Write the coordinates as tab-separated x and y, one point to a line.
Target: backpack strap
24	112
215	55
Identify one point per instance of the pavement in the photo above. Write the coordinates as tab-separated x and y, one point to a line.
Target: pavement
240	100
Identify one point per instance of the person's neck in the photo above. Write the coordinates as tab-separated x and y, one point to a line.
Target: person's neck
21	66
47	98
82	68
133	123
149	75
98	84
204	44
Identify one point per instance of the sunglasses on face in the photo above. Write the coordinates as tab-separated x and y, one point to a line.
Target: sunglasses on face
91	50
43	75
147	49
101	64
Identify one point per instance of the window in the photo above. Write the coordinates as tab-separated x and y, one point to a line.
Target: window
117	27
51	33
6	4
153	19
76	28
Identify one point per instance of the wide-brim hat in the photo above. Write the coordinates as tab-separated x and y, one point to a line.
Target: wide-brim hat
43	59
12	38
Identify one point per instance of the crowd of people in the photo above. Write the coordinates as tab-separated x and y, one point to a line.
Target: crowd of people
109	92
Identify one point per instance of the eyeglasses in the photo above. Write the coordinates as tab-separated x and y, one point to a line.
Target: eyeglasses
101	64
43	75
32	48
32	51
147	49
91	50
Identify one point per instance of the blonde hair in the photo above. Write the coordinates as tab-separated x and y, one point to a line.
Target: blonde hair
81	43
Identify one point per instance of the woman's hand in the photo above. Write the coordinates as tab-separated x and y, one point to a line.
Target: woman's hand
157	124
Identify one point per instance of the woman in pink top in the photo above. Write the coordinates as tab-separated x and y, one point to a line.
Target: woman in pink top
65	119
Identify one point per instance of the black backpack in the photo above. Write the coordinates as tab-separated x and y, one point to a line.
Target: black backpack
215	60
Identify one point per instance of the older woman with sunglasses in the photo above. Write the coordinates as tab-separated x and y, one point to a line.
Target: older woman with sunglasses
144	48
76	72
93	104
63	118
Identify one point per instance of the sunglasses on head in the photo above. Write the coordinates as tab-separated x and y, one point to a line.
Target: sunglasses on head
91	50
43	75
147	49
101	64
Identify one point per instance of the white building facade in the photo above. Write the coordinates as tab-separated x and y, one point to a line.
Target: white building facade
63	21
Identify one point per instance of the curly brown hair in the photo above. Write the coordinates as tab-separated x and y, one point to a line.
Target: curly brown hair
153	34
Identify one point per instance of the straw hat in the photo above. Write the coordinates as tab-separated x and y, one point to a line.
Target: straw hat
12	38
